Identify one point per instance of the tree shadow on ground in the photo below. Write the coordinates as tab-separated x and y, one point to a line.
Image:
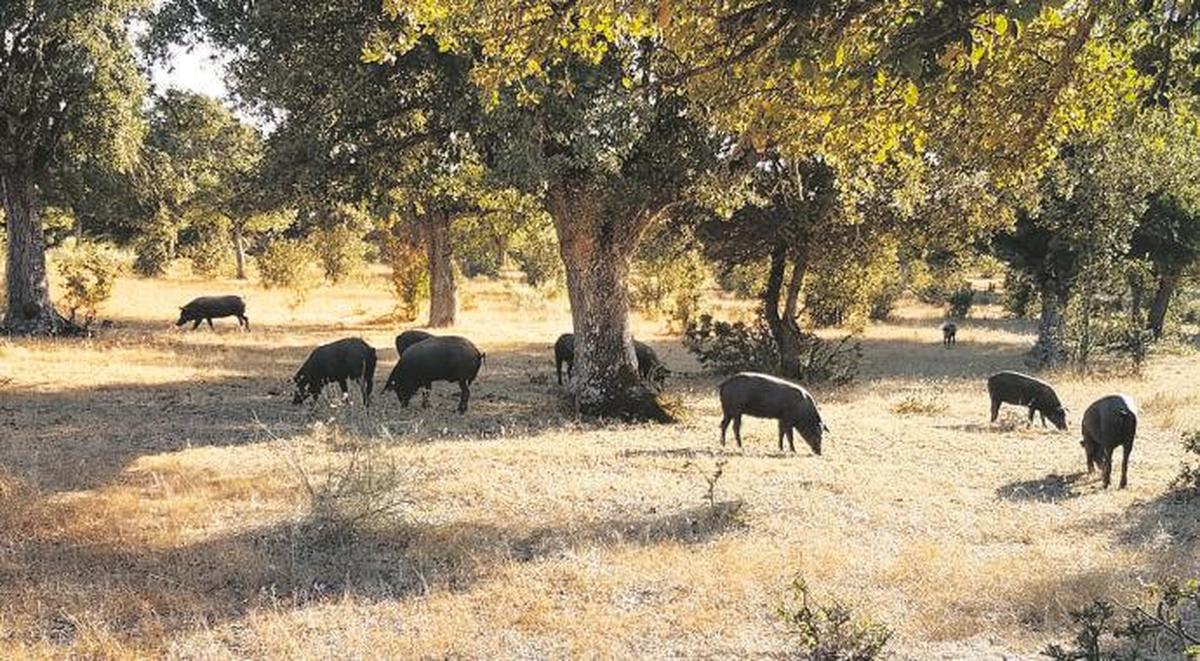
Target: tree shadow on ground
892	358
142	593
81	438
934	325
1049	489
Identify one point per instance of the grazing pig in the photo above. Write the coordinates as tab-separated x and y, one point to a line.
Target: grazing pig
1109	422
408	338
339	361
648	365
949	332
445	358
765	396
1025	390
207	308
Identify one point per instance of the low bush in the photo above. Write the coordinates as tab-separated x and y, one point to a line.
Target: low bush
960	300
1166	624
286	264
1188	480
829	632
211	248
726	347
341	251
87	274
152	255
409	277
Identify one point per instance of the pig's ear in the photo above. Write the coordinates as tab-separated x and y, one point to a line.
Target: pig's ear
824	427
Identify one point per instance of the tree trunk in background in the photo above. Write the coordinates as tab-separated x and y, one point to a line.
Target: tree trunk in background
78	230
1162	300
29	311
596	247
783	328
1050	349
443	294
239	252
791	309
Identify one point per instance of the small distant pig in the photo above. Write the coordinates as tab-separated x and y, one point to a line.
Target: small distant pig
1025	390
336	362
207	308
1109	422
766	396
949	333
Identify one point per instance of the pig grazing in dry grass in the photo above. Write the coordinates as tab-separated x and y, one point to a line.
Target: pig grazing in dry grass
1109	422
207	308
766	396
1025	390
445	358
336	362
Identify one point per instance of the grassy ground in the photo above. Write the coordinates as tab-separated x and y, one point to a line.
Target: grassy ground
154	497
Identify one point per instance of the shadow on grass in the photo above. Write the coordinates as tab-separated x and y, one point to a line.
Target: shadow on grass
84	437
144	595
1050	489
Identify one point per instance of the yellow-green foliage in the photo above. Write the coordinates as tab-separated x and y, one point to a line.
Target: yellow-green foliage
340	249
409	277
669	284
850	282
212	251
87	275
286	264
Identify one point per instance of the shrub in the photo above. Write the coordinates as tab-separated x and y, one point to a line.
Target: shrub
960	301
341	251
364	488
670	285
211	250
848	287
539	259
830	632
746	280
286	264
1166	627
726	347
88	274
1188	480
152	256
409	277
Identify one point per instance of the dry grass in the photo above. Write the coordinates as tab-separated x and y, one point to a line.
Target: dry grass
149	503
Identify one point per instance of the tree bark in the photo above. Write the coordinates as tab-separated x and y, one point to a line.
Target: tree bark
783	327
443	293
239	252
1050	349
1156	320
791	309
29	311
595	247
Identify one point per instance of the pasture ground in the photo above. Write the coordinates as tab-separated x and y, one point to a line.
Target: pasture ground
152	501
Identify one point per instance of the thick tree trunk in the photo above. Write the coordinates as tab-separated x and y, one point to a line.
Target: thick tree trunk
443	293
30	311
783	327
1157	318
596	247
239	252
1050	349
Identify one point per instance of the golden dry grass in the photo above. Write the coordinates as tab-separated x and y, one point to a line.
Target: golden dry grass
150	503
